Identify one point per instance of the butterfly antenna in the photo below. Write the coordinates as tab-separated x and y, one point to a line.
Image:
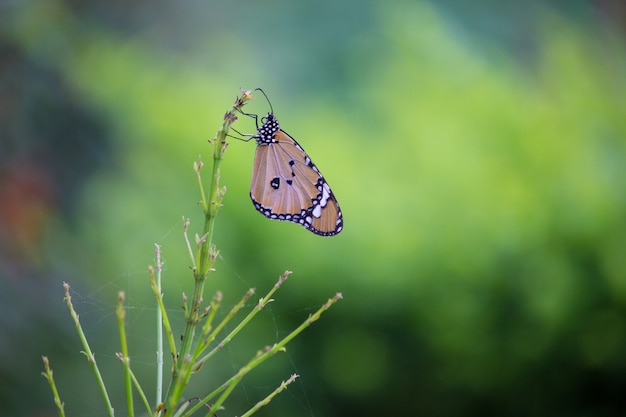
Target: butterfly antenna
268	100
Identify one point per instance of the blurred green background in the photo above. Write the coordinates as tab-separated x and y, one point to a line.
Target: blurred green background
477	149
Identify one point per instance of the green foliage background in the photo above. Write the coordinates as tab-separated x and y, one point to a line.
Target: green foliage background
482	180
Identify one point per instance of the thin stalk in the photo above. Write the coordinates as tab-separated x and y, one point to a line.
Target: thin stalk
265	401
186	223
159	327
121	315
48	375
162	312
136	384
208	322
87	352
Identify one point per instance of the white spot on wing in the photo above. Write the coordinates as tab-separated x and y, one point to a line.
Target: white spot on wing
317	211
325	195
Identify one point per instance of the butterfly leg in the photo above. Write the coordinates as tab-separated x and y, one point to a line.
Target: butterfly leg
247	137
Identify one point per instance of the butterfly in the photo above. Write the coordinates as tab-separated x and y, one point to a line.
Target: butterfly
286	185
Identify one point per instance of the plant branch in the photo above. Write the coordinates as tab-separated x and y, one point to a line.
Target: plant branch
123	356
91	358
207	252
48	375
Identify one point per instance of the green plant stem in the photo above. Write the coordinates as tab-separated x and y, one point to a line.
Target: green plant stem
166	324
215	305
161	321
162	312
260	305
136	384
121	314
226	388
208	338
207	253
87	352
265	401
186	223
48	375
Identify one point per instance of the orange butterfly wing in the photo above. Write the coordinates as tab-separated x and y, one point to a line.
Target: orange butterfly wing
286	185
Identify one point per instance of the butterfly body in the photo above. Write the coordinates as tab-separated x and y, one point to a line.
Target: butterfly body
286	184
